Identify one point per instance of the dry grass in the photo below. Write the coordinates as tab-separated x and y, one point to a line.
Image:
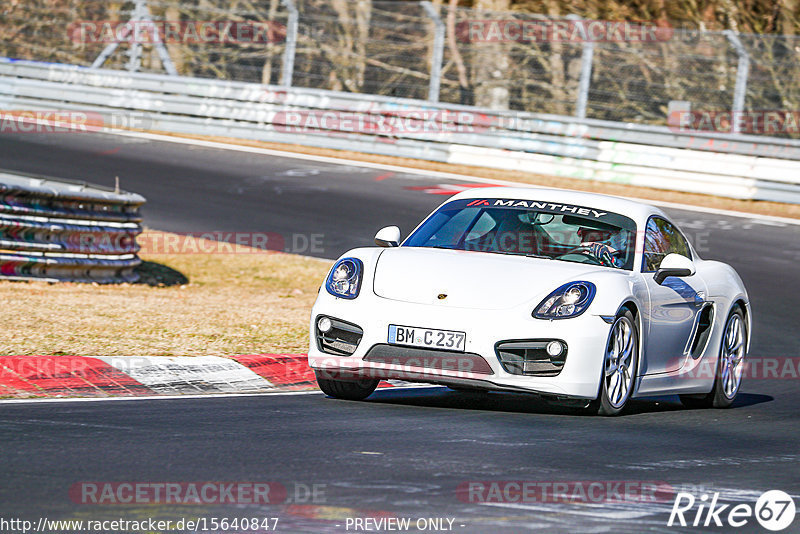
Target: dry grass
239	303
777	209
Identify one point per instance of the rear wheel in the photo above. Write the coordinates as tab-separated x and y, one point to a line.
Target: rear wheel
728	377
619	366
354	389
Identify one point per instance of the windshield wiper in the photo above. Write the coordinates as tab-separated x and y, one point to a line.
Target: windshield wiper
540	256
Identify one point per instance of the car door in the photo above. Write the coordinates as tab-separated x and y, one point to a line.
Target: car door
674	305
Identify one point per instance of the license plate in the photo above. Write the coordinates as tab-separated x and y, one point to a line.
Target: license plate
427	337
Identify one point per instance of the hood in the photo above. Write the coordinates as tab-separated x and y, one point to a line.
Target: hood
469	279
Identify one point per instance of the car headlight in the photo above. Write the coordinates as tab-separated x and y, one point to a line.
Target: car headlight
569	300
344	280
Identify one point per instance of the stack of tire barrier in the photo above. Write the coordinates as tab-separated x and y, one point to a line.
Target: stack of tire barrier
57	230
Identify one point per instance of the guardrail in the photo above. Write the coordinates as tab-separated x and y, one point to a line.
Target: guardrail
731	165
57	230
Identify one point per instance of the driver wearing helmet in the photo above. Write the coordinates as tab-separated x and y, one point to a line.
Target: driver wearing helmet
601	244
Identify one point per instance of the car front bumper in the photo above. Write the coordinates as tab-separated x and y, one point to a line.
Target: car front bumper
586	337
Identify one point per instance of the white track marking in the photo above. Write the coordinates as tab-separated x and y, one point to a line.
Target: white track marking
189	374
50	400
439	174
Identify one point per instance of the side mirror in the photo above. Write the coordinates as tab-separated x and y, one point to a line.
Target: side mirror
388	237
674	265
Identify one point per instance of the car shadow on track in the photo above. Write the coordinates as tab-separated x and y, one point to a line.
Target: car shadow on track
441	397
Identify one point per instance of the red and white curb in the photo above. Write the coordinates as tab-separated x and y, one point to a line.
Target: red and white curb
105	376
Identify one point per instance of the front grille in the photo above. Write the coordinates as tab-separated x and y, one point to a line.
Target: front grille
342	339
530	357
465	362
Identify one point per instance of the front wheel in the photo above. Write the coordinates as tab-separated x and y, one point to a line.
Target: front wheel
353	389
619	366
728	377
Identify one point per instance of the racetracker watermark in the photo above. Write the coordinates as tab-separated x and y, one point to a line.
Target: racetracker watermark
196	493
176	32
403	368
209	524
35	368
765	368
562	31
219	242
71	121
775	122
377	122
564	491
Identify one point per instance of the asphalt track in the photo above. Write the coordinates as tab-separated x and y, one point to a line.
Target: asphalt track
404	452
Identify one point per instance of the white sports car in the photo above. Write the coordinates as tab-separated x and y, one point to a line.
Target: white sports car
577	297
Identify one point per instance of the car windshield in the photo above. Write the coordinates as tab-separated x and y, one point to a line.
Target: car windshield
530	228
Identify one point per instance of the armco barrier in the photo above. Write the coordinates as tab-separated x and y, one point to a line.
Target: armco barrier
737	166
57	230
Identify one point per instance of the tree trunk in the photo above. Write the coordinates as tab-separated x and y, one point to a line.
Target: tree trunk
559	94
491	64
175	50
452	44
351	63
271	48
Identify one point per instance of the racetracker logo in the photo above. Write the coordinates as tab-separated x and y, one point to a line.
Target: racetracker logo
177	493
70	121
194	493
380	122
454	366
775	122
564	491
561	31
766	368
217	242
774	510
176	32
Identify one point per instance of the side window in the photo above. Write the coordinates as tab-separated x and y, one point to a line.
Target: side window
661	238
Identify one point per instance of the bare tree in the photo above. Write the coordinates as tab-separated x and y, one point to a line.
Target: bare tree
350	59
461	69
491	63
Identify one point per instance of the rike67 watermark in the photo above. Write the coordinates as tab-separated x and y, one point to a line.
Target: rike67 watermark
774	510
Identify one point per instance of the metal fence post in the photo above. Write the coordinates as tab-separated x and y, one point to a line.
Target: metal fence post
291	44
438	51
587	56
134	52
742	72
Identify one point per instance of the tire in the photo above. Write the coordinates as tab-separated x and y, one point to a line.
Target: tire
354	389
730	364
619	366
